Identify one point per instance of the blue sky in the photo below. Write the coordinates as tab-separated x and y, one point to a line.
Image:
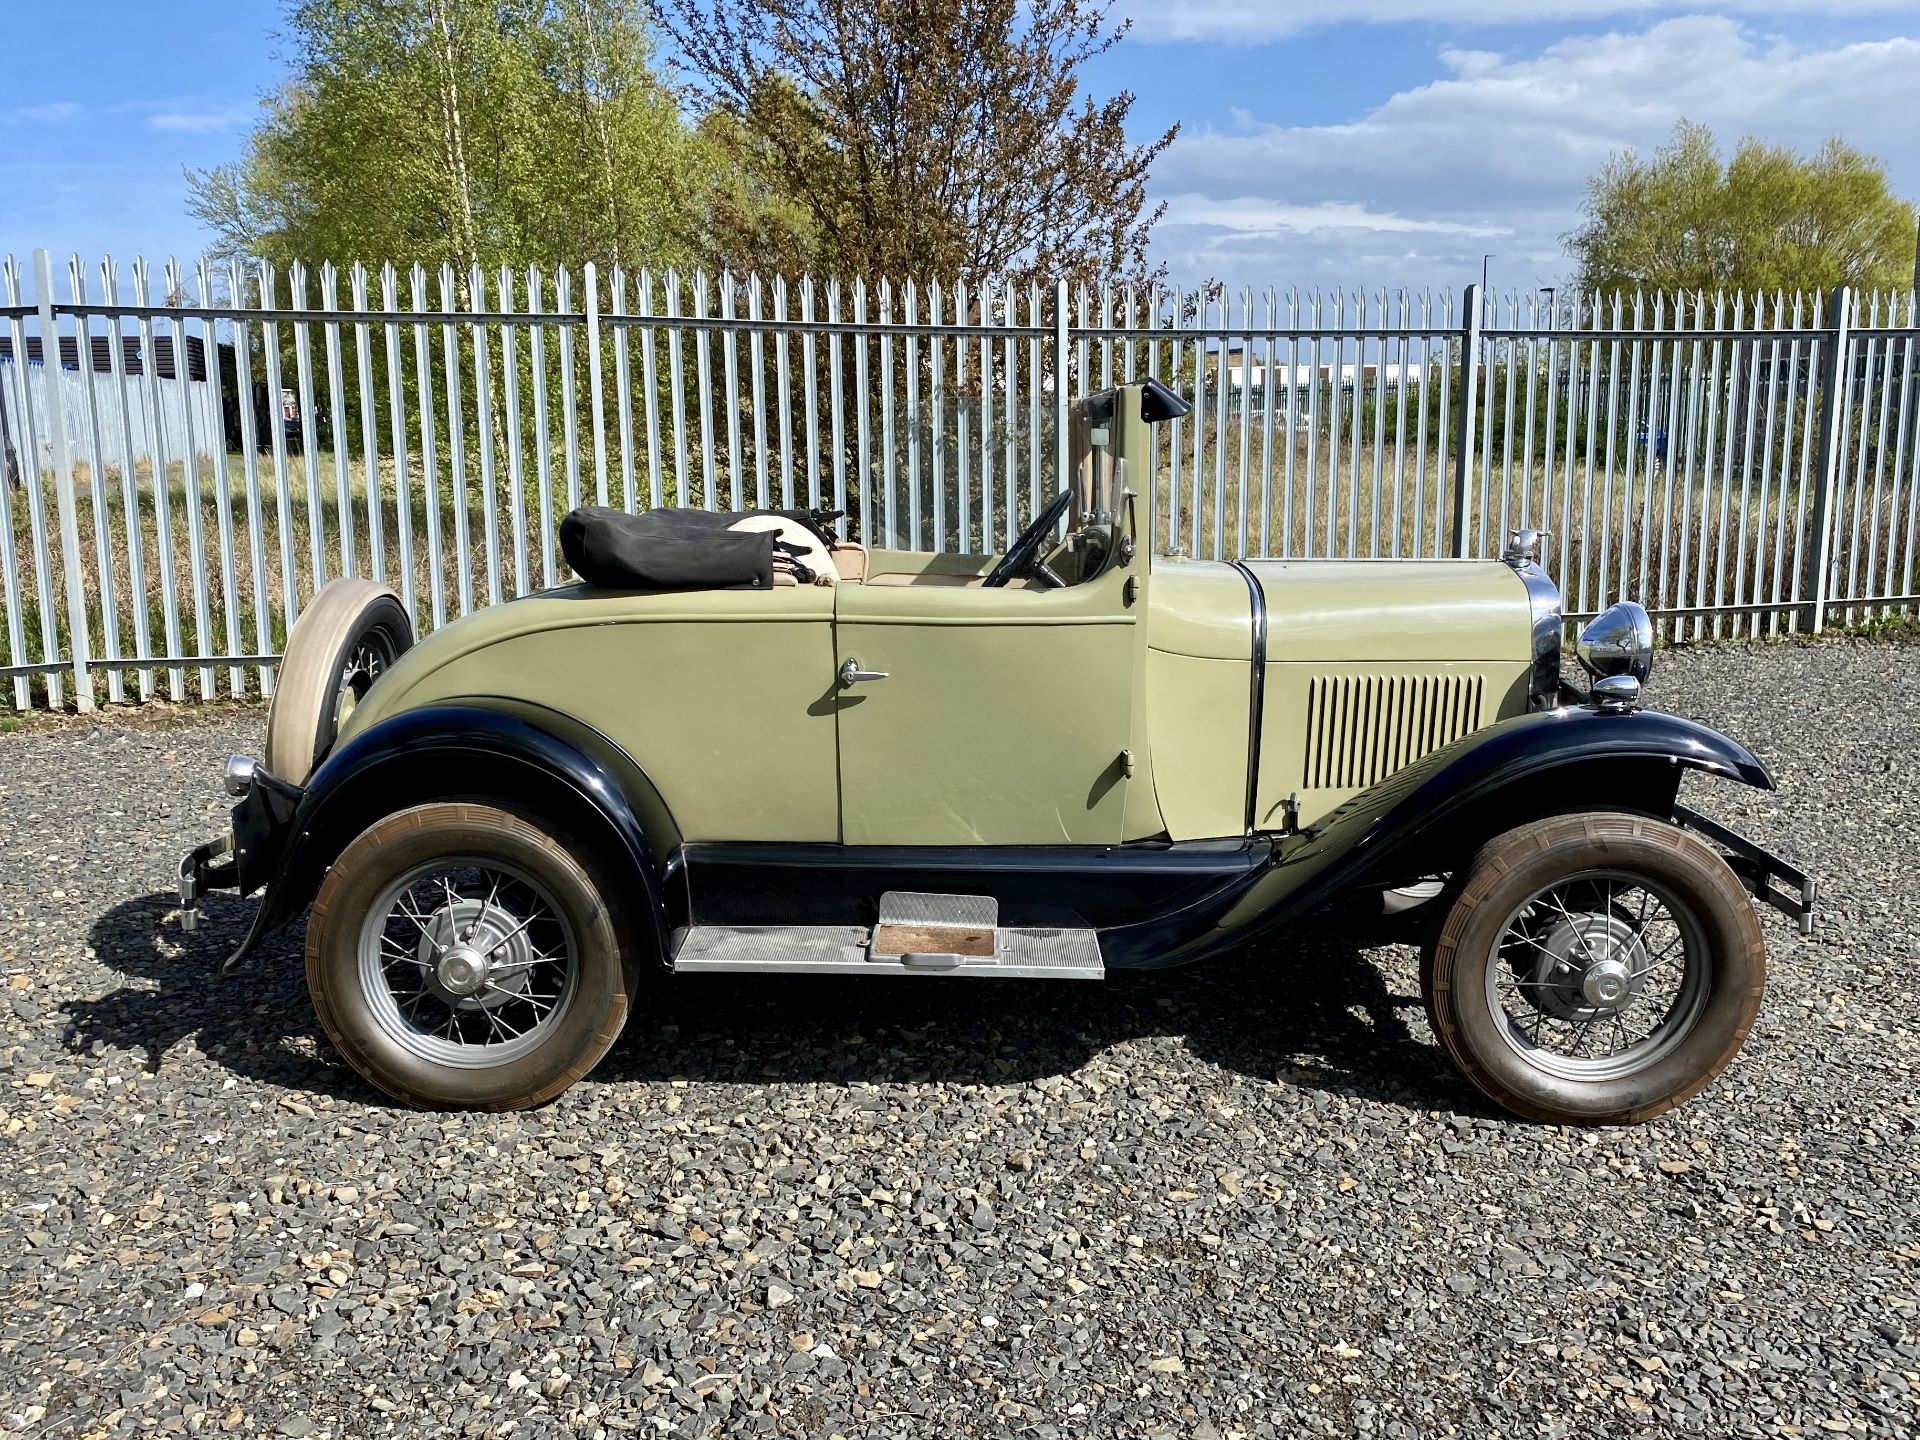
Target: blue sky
1393	145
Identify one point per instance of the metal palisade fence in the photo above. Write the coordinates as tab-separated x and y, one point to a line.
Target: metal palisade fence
189	455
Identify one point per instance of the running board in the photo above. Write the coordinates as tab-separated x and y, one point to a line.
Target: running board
917	933
848	950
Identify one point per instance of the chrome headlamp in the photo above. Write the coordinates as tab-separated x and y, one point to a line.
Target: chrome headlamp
238	775
1617	641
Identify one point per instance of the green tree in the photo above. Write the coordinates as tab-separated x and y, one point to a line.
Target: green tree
1768	218
464	132
917	138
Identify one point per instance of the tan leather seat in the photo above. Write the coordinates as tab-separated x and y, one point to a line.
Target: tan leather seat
850	559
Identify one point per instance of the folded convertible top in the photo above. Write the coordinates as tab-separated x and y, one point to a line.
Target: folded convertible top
674	549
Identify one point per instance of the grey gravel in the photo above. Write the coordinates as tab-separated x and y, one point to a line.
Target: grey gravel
1244	1199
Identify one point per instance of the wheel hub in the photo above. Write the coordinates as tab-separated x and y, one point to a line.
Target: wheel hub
475	953
1587	966
463	970
1606	984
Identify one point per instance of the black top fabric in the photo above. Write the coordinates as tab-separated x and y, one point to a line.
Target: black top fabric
666	550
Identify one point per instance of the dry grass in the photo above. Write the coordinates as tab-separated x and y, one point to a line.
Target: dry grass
1670	539
221	611
1644	540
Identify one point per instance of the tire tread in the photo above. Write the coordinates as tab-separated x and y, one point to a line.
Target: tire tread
1602	832
324	922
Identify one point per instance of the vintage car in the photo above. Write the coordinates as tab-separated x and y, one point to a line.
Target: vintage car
1067	759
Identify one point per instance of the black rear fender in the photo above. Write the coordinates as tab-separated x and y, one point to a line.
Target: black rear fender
537	762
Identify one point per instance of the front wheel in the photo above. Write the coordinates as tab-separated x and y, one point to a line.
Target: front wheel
461	958
1595	969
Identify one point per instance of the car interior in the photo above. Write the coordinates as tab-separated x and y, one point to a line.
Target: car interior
1069	541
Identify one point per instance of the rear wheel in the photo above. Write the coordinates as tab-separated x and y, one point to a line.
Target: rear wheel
342	643
460	957
1595	969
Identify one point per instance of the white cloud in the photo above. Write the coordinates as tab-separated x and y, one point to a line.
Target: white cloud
1251	215
1493	155
193	122
1245	20
50	113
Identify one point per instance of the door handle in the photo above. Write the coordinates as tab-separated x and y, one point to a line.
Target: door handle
852	674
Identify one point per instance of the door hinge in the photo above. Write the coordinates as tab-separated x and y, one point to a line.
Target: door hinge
1131	590
1126	764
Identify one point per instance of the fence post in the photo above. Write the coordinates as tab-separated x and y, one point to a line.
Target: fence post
1464	430
1062	366
1835	380
77	637
590	279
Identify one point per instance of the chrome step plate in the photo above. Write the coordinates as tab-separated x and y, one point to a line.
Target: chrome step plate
915	907
1034	954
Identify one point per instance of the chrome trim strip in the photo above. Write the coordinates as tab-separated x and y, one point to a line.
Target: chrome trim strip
1548	617
1258	686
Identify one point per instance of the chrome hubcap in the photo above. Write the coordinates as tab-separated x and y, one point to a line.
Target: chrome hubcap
462	972
467	962
1607	983
1598	976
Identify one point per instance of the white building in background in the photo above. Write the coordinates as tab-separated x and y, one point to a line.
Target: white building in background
1246	377
137	416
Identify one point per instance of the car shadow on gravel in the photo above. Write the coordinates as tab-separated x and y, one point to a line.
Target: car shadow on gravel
256	1021
1318	1015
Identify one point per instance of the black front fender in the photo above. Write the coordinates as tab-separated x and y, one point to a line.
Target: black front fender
501	751
1434	814
1524	768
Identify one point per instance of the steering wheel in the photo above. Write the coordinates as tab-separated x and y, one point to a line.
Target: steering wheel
1023	556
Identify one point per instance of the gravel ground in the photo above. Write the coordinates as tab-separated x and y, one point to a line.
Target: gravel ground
1249	1198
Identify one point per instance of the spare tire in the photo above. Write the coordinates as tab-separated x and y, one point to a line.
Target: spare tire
342	643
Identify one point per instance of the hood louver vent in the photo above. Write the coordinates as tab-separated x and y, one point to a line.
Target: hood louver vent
1360	729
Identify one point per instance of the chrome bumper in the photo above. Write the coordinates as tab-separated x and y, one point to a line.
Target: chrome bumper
203	868
1785	887
243	859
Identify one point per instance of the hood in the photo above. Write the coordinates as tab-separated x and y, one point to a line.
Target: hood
1384	611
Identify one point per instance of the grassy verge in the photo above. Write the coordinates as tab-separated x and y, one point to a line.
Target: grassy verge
1645	541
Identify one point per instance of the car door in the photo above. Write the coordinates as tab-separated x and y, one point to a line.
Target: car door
1002	719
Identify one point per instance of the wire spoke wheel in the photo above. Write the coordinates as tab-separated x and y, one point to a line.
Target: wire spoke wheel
1595	968
366	662
1598	976
467	962
462	956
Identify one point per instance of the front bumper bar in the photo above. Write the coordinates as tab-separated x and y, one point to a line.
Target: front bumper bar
203	868
1786	888
245	857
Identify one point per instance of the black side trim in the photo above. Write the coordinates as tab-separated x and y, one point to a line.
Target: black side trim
1758	868
1258	687
1074	886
